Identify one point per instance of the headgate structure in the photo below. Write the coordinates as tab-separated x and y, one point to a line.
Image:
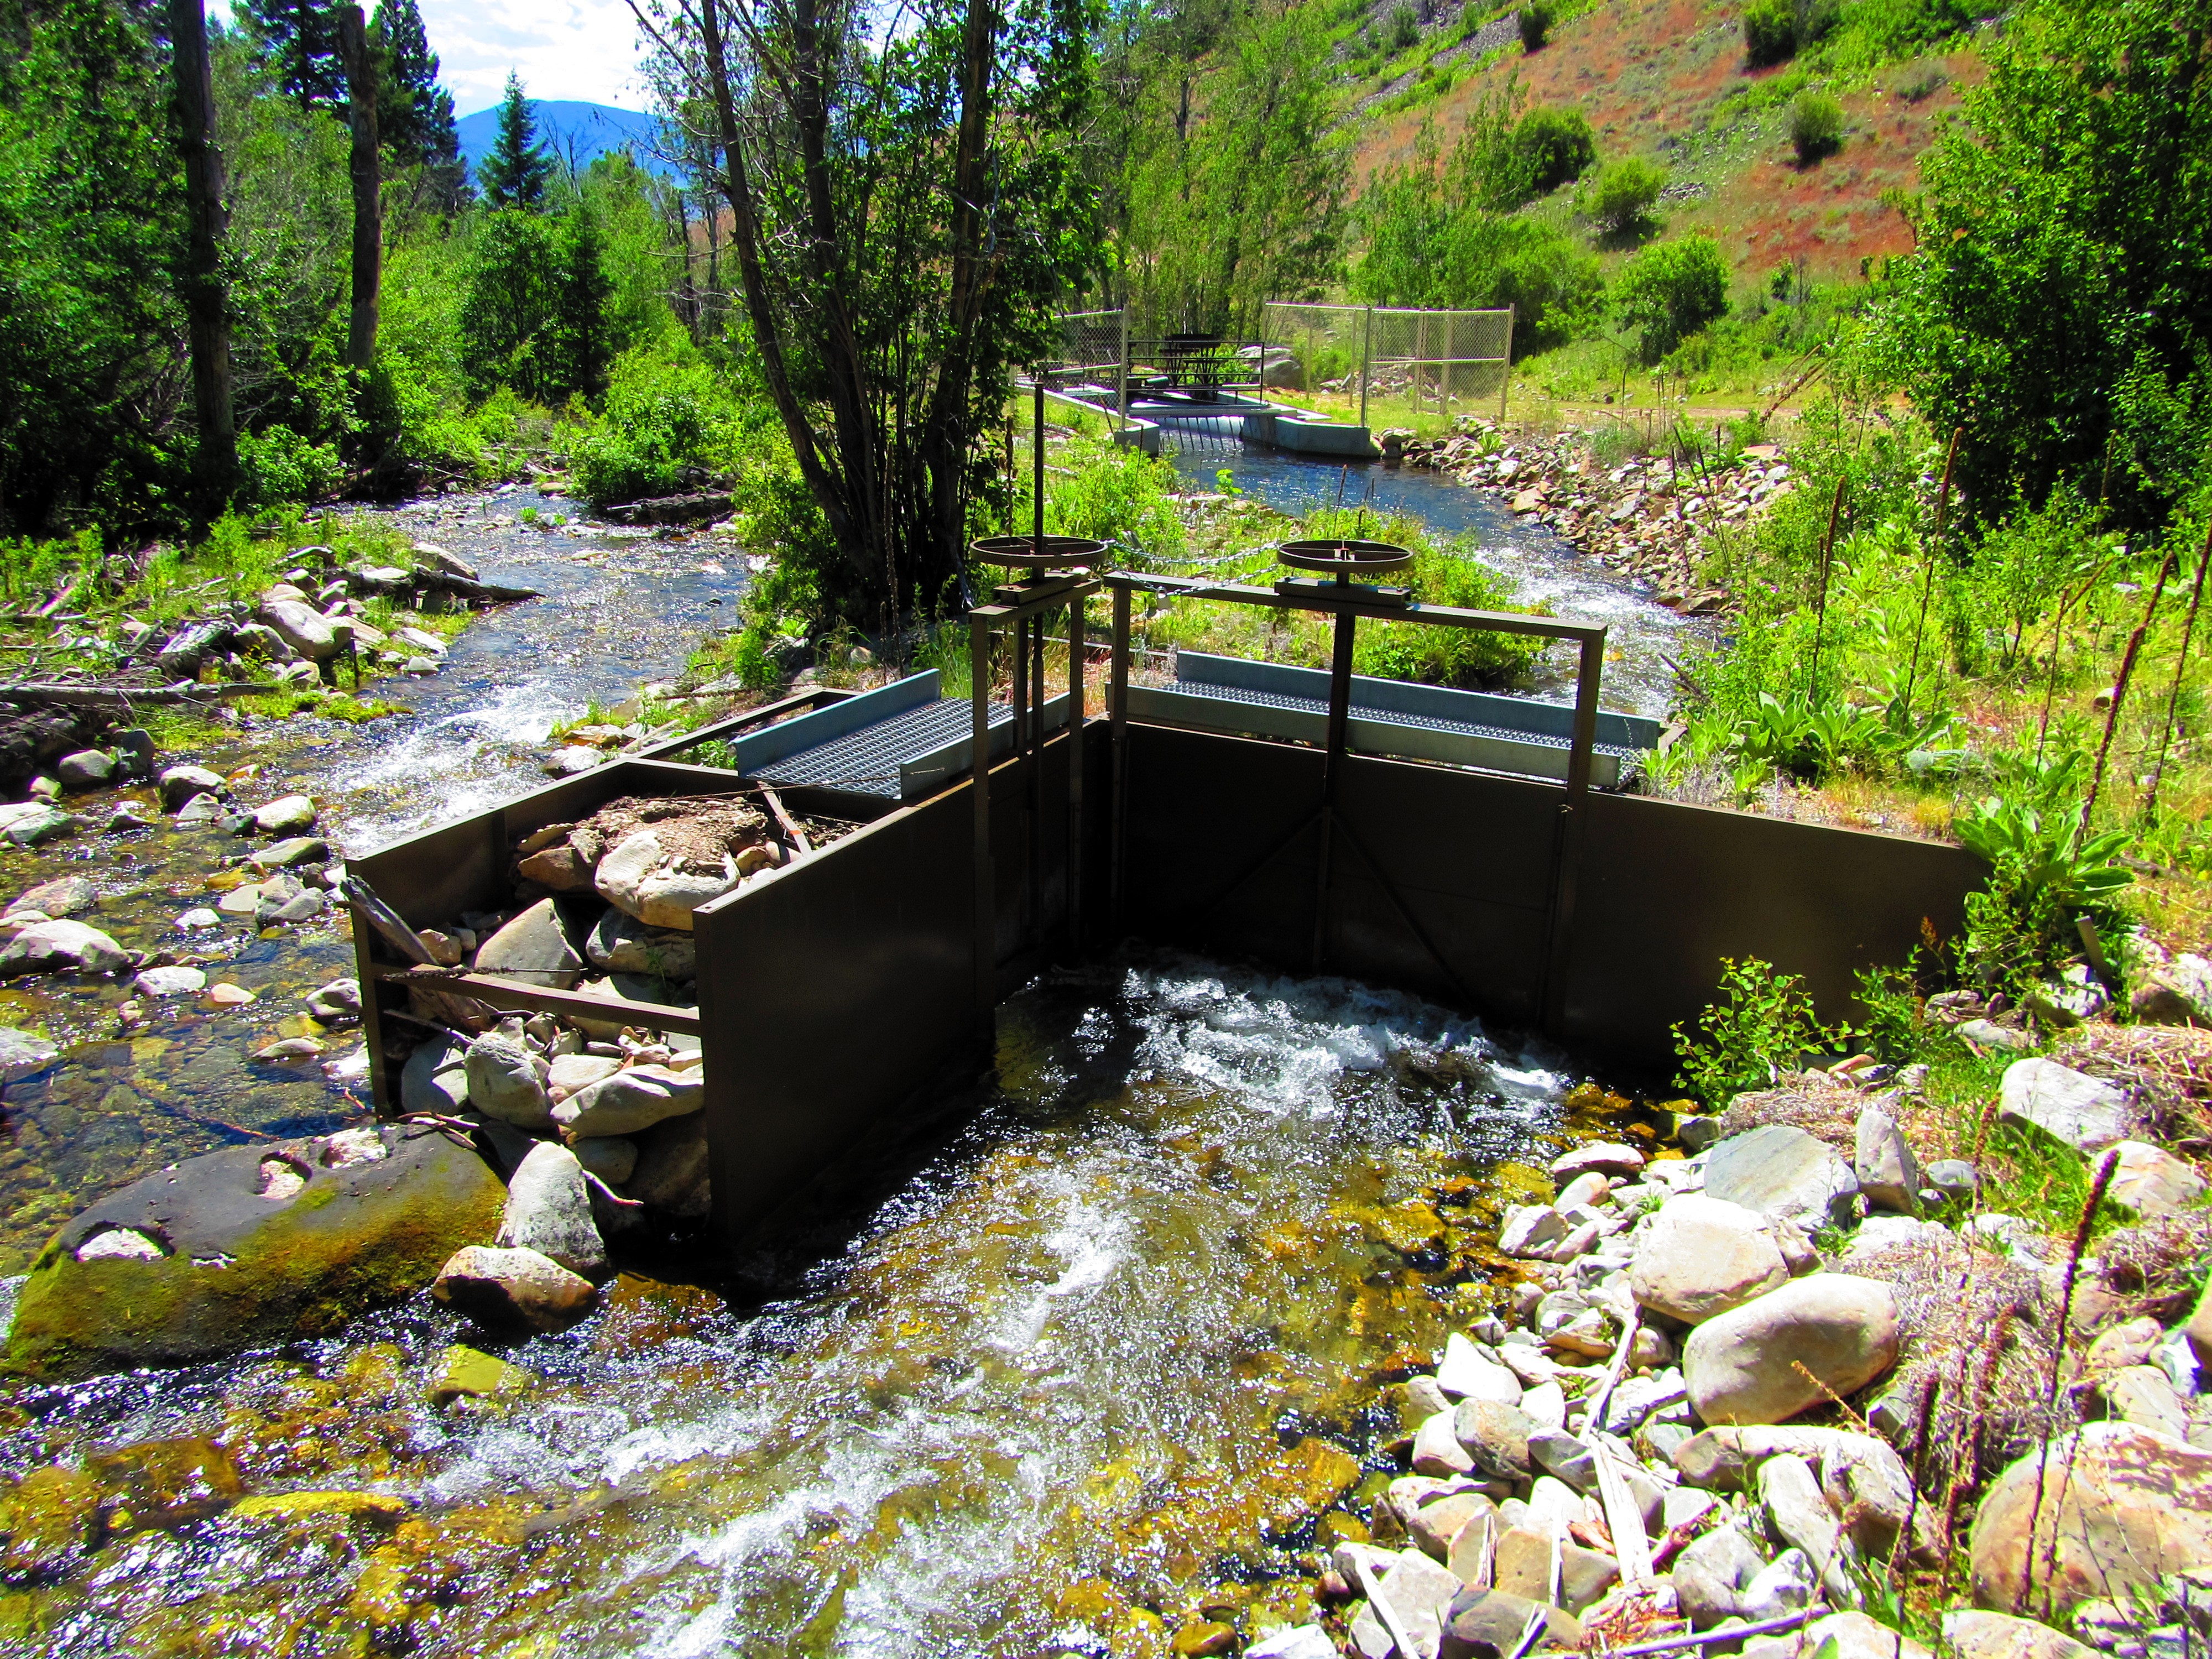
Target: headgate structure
833	991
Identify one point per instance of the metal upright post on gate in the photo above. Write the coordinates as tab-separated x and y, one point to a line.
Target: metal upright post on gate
1058	577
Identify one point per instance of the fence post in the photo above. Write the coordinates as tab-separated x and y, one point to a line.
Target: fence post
1366	352
1121	387
1505	379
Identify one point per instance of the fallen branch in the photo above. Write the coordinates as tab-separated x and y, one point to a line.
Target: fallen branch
443	581
122	698
1736	1633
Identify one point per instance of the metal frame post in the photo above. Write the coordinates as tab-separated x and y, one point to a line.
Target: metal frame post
1121	386
986	902
1566	866
1075	748
1332	768
1505	373
1366	361
1344	609
1117	715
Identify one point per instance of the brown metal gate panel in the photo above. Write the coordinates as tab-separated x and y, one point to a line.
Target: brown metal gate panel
1669	890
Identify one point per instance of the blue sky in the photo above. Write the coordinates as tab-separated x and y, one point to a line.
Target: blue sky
584	49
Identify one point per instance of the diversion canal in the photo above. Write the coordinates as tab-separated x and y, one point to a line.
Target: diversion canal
1088	1350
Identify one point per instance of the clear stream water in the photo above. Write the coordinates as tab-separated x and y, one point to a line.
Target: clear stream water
1073	1358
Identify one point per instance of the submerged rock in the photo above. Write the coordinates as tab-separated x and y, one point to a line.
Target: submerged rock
181	784
49	947
253	1244
23	1055
64	896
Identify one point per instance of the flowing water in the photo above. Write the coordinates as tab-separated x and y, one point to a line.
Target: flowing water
1079	1355
618	608
1087	1351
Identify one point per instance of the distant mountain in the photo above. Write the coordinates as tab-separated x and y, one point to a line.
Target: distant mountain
572	132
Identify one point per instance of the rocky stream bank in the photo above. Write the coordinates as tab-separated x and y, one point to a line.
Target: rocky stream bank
1232	1315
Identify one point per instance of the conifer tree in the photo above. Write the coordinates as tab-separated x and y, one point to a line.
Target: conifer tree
298	40
414	113
515	173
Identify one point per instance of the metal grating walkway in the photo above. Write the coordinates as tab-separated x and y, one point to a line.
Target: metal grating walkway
1393	716
866	761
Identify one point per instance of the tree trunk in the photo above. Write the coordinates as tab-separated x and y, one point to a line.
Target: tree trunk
970	279
206	302
368	188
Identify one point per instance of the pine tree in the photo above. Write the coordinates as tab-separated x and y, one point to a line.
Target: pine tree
580	344
298	40
513	175
414	113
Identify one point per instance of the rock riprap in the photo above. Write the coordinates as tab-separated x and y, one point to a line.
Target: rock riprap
1781	1172
2115	1507
251	1245
1700	1256
1743	1366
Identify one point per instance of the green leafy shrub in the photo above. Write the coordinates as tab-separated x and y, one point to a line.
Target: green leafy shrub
1670	290
659	418
1816	126
1777	30
279	466
1536	24
1763	1021
2044	875
1770	32
1123	496
1445	656
1405	28
1556	146
1622	196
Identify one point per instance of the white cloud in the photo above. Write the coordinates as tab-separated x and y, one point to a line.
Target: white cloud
581	49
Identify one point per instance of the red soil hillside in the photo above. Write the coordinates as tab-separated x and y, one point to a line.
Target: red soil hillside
1655	77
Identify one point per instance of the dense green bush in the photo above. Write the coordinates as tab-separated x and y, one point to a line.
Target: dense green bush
1816	126
1556	146
1670	290
659	417
1760	1025
279	466
1621	197
1774	30
2057	307
1552	281
1536	24
1770	32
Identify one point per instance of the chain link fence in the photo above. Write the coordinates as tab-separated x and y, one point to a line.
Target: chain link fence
1390	364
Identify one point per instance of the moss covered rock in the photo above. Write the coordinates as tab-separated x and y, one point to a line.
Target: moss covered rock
251	1245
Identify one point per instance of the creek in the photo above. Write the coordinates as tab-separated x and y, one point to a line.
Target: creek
1544	569
1078	1355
